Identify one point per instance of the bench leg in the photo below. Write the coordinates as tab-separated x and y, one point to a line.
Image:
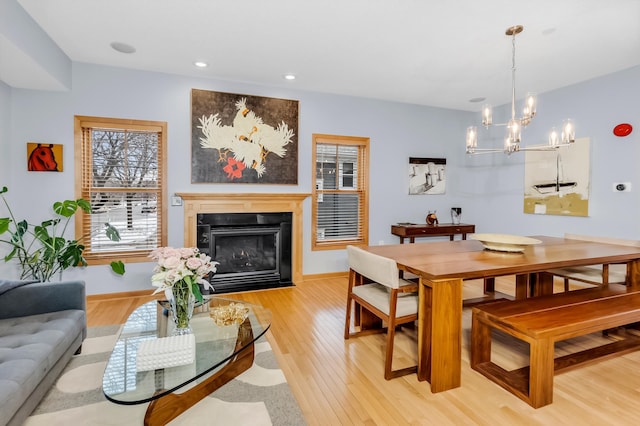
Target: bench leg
541	369
480	342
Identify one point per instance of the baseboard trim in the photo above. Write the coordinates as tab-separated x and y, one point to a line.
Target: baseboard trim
325	276
138	293
120	295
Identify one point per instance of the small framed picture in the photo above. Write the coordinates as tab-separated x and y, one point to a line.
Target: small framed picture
44	157
427	175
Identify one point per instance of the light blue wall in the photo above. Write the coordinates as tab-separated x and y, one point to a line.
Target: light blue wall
494	184
5	132
488	188
397	131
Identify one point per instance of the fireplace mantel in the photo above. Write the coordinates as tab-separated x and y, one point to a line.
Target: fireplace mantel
200	202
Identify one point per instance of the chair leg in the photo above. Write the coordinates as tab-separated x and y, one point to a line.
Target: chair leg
347	320
391	333
388	358
389	373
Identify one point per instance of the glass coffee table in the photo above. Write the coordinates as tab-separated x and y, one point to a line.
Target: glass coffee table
222	352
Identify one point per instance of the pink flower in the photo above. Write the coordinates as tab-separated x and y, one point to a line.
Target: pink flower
186	252
171	262
194	263
176	264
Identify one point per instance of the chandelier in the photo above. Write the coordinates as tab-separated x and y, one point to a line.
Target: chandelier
515	124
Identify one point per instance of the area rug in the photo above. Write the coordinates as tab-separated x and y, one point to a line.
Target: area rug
259	396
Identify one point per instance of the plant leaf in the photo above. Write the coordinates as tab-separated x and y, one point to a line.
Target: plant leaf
118	267
196	292
10	256
112	232
4	224
21	228
67	208
84	205
41	233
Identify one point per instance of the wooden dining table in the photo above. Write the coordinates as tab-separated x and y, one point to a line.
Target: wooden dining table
442	267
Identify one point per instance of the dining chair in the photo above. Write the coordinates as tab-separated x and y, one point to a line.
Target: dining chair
595	274
378	296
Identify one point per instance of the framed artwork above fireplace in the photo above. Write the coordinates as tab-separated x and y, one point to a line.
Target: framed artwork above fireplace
243	139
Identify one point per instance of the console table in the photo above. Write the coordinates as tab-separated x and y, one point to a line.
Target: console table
414	230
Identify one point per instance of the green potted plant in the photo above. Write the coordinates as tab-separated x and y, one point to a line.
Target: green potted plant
43	250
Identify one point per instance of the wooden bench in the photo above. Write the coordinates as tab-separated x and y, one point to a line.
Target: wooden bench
541	322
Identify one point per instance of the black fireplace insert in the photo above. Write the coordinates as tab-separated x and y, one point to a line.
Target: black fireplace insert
253	249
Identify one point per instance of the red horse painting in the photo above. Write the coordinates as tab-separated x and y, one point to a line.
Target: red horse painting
42	158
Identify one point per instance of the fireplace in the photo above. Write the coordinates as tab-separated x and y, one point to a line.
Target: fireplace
253	249
196	203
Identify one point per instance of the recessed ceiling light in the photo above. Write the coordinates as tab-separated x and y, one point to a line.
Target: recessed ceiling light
289	77
122	47
201	64
479	99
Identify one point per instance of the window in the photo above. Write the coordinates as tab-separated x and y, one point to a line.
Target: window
121	170
340	211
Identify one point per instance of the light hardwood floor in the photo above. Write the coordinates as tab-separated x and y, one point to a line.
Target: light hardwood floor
338	382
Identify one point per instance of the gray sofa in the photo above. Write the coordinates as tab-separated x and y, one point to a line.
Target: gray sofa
41	326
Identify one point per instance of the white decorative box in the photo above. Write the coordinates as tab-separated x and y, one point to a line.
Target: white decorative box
166	352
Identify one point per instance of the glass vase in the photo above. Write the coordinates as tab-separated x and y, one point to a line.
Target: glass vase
182	304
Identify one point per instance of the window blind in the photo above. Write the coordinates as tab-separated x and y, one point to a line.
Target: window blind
122	175
340	196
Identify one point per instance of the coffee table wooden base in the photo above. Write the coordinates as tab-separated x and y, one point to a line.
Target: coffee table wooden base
166	408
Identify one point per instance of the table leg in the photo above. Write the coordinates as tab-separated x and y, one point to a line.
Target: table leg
440	333
543	283
633	274
424	331
522	286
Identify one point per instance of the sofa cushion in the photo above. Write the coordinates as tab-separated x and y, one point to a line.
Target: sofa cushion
29	347
6	285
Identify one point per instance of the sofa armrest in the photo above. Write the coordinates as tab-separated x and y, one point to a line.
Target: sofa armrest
40	298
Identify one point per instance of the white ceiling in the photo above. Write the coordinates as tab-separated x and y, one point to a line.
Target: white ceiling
439	53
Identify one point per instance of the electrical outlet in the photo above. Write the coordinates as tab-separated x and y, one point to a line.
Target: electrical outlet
176	200
622	187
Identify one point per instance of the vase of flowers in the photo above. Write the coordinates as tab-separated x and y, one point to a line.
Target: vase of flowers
178	273
182	302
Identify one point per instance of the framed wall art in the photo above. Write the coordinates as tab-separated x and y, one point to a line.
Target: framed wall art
557	182
243	139
44	157
427	176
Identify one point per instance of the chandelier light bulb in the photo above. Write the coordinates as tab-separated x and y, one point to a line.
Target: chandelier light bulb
507	144
472	138
530	105
554	140
514	131
487	115
568	132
